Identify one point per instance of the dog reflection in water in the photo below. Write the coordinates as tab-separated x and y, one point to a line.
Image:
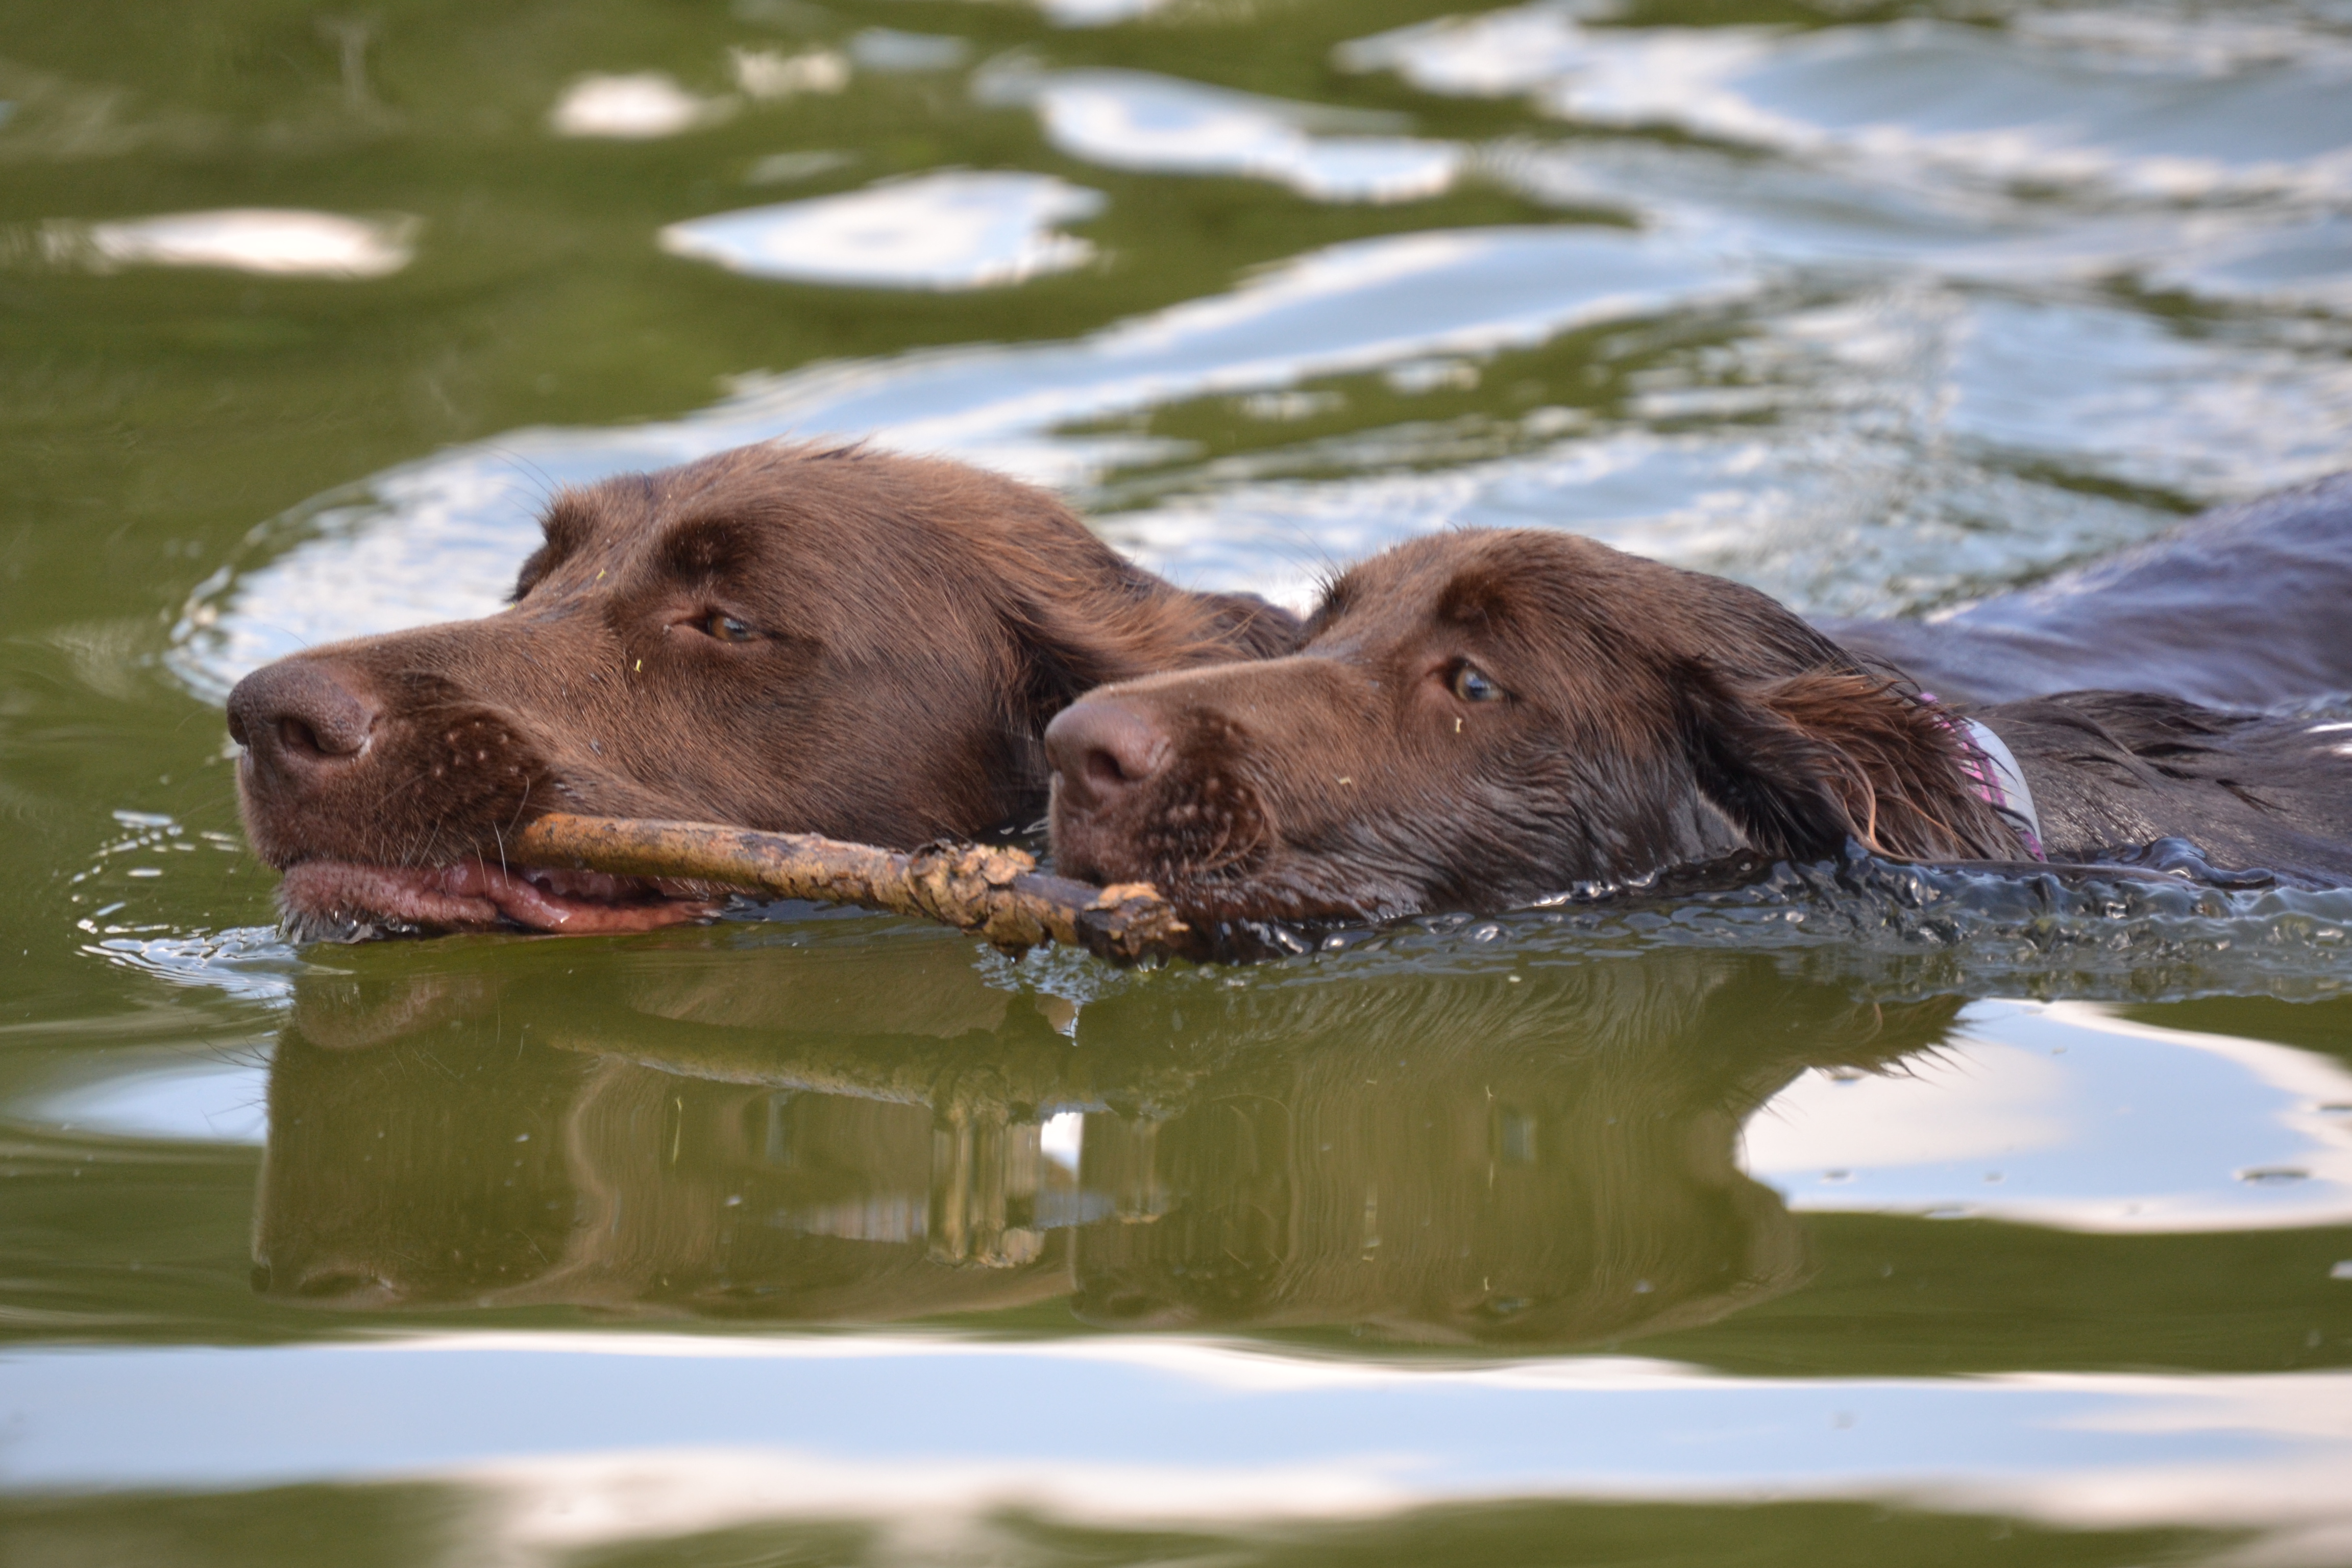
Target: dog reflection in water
854	1134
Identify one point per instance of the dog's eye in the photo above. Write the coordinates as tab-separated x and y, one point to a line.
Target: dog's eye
1470	684
725	627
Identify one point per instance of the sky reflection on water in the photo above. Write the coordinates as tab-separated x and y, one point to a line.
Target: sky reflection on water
266	242
1135	119
665	1438
2065	1115
938	231
1894	346
438	540
714	1242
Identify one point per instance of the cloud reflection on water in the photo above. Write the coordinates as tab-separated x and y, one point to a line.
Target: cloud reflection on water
940	231
637	107
2061	1115
575	1441
265	241
2071	1117
2163	113
1902	383
1137	119
439	539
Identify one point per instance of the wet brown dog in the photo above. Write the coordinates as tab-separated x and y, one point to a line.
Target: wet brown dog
829	640
1481	718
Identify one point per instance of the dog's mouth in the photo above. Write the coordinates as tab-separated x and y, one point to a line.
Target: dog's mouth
1283	889
1209	843
344	900
1217	855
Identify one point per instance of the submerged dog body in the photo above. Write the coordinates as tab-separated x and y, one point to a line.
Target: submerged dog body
797	639
1480	717
2245	606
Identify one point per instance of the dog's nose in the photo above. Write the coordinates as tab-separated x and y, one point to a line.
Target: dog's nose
298	716
1100	748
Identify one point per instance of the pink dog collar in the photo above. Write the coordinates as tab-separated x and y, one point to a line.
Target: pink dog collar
2002	784
1987	760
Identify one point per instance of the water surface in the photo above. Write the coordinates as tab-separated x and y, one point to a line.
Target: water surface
1851	1219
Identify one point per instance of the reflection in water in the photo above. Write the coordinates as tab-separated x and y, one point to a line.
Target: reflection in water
890	49
2073	1116
846	1133
934	231
771	74
633	107
1876	316
1136	120
439	539
783	168
914	1449
272	242
572	1449
2042	279
1095	12
176	1095
2074	97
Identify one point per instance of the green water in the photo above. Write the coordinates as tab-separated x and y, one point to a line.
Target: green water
1814	1234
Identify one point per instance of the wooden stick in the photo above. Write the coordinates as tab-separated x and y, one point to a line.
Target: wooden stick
992	892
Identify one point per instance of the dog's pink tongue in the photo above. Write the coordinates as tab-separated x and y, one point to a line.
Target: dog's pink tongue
473	894
585	908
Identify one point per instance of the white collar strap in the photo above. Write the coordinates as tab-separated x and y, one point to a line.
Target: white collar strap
1986	762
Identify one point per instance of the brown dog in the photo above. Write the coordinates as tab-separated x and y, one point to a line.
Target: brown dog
828	641
1484	716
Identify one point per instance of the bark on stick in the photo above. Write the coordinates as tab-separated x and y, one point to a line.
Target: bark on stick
993	893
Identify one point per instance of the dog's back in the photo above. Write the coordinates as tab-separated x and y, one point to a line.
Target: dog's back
2245	608
2116	769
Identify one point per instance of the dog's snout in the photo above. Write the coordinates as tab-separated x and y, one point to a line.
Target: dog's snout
1100	748
297	714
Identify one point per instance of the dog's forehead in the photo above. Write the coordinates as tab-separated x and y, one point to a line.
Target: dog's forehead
1469	582
638	510
627	508
639	525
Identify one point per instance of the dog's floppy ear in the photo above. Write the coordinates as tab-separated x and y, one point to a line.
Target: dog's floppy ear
1803	765
1079	636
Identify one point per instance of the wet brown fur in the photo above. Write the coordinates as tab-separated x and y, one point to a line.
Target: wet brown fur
1648	718
912	625
1651	717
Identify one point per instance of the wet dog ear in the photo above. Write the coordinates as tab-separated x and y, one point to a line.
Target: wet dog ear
1139	625
1804	764
1250	626
1477	596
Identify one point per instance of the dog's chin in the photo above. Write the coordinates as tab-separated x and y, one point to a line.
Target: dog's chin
1167	837
344	901
1264	884
1276	892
